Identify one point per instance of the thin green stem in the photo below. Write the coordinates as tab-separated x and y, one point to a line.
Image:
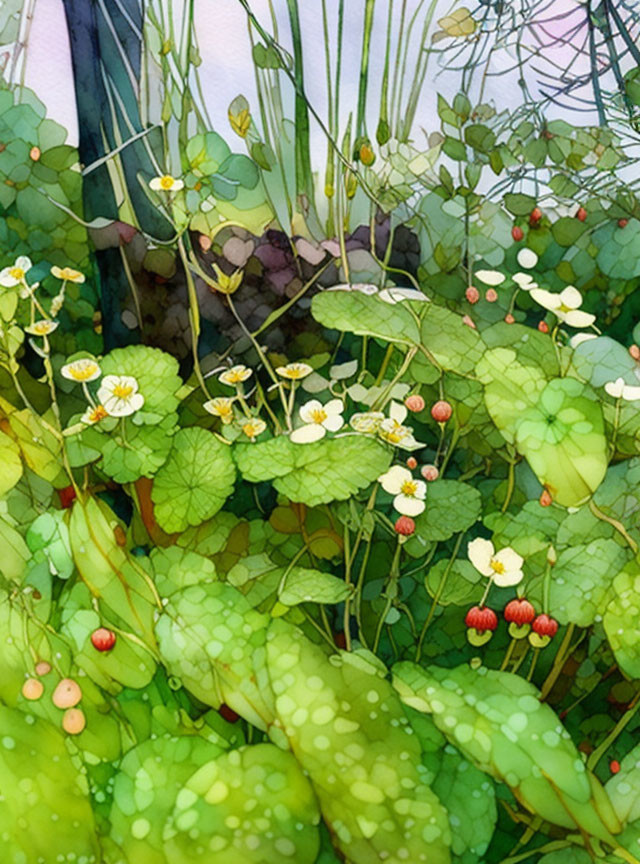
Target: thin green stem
438	595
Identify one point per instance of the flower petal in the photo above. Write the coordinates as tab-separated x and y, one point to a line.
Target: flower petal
480	552
508	578
397	412
509	559
392	480
615	388
308	434
334	406
408	505
578	318
489	277
571	297
546	298
527	258
333	422
308	410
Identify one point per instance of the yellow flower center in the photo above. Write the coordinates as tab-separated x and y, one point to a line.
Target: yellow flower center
97	414
82	373
42	328
564	309
122	391
16	273
250	430
409	487
497	566
167	182
318	415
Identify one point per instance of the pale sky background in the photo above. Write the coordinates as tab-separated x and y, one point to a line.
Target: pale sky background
227	70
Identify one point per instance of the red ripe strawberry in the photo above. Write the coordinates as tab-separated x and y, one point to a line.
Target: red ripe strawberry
543	327
414	403
581	214
519	611
614	766
481	618
544	625
622	223
545	499
103	639
67	496
441	411
517	233
412	462
536	216
472	294
405	526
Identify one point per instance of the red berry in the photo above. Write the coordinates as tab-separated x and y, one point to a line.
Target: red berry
441	411
519	611
340	640
509	319
491	295
469	322
544	625
517	233
103	639
622	223
472	294
412	462
536	216
481	618
581	214
430	473
405	526
634	350
543	327
414	403
67	496
545	499
614	766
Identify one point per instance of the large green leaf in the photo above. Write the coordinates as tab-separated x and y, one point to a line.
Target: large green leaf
455	346
141	455
366	315
622	619
329	470
10	463
497	721
452	506
510	387
194	482
304	585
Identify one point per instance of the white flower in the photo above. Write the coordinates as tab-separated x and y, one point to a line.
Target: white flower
618	389
119	395
504	567
294	371
318	419
394	432
254	427
81	370
68	274
367	422
565	306
490	277
221	407
527	258
397	295
166	183
14	275
409	493
524	281
235	375
94	415
41	328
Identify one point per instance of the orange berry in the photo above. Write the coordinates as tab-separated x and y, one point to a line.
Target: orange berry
74	721
67	694
32	689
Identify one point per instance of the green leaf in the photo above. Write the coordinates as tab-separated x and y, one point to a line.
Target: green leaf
10	464
510	388
452	506
455	347
519	204
329	470
622	619
48	537
461	584
15	552
366	315
145	451
496	720
194	482
176	568
480	137
304	585
454	149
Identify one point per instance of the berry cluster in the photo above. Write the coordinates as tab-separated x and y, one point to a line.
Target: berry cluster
519	613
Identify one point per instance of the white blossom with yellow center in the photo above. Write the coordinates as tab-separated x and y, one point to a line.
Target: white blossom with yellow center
565	306
221	407
367	422
294	371
235	375
94	414
68	274
318	419
166	183
409	493
119	395
393	431
503	567
254	427
16	273
82	370
41	328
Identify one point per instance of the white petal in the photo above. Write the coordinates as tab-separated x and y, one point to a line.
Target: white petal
178	184
508	578
333	422
307	434
527	258
308	409
24	263
546	298
334	406
480	552
631	393
408	505
579	338
524	280
393	480
489	277
615	388
396	295
155	184
571	297
398	412
578	318
509	559
6	279
421	489
410	443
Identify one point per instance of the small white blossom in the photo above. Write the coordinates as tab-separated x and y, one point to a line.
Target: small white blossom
565	306
41	328
294	371
318	419
68	274
409	493
503	567
82	370
235	375
619	390
119	396
166	183
222	407
14	275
